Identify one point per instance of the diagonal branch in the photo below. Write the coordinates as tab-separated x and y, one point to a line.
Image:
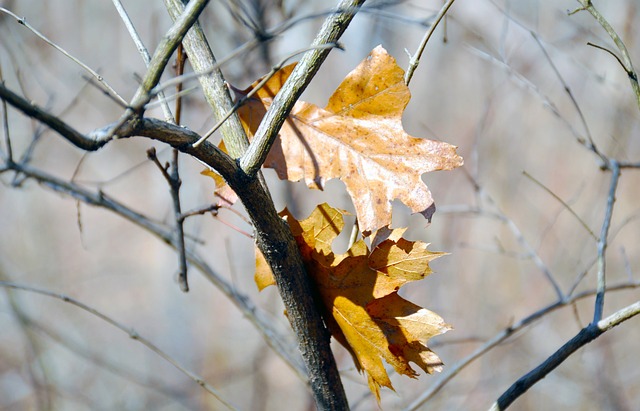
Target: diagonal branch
502	336
133	334
241	301
304	72
585	336
213	85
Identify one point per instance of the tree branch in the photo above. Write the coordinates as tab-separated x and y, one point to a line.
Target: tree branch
133	334
241	301
213	84
585	336
274	239
502	336
627	65
297	82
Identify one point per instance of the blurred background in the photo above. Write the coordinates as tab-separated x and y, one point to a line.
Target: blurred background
492	81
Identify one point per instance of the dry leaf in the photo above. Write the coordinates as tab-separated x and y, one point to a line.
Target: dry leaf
226	195
357	138
360	303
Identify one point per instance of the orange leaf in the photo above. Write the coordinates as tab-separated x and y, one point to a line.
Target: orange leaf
360	303
226	196
357	138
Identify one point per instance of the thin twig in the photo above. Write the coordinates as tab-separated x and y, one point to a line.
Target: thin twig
244	304
567	89
144	53
520	238
173	179
213	209
546	101
415	59
178	394
561	201
602	242
134	335
98	77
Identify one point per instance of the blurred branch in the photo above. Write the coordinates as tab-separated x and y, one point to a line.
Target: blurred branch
35	365
585	336
521	79
144	53
561	201
415	59
98	77
241	301
520	238
129	331
172	392
626	63
503	335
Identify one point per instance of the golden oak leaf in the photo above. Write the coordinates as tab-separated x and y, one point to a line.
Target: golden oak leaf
358	138
358	291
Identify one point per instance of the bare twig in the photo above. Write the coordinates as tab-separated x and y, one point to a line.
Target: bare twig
98	77
144	53
602	242
585	336
561	201
178	394
173	179
35	112
626	58
134	335
415	59
520	238
100	199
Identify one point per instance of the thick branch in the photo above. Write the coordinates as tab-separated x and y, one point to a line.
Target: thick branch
273	238
165	49
213	84
245	305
